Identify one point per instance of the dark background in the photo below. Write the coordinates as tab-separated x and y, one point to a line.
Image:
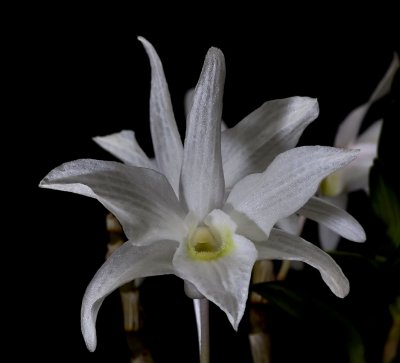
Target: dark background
77	73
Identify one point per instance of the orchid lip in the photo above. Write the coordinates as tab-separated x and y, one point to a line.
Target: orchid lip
205	244
332	185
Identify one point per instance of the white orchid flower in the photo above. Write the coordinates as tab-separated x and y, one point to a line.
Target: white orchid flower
249	147
336	187
180	220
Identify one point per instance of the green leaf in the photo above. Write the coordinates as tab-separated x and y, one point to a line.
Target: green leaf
385	203
284	298
300	306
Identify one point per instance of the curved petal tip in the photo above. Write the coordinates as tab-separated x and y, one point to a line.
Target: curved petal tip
88	329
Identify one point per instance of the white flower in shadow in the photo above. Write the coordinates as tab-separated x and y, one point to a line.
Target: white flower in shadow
336	186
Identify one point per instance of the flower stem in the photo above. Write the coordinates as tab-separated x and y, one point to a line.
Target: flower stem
204	331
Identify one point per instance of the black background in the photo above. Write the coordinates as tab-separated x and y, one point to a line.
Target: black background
76	73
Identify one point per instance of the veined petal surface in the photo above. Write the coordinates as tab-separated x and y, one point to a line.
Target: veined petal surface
334	218
276	126
260	200
141	199
283	246
202	180
125	264
329	239
123	145
167	143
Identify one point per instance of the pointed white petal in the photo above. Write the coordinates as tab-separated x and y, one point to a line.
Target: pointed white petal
188	101
384	85
356	175
339	201
188	106
141	199
336	219
258	201
255	141
167	143
348	129
123	145
224	281
283	246
223	126
125	264
202	180
371	135
290	224
329	240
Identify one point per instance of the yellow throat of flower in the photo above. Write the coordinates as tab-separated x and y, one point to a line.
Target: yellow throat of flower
332	185
206	244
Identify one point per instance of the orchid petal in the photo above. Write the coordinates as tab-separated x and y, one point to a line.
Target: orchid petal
334	218
355	175
258	201
349	128
291	224
141	199
255	141
202	179
384	85
123	145
188	106
167	143
125	264
329	239
339	201
188	101
283	246
224	281
371	134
